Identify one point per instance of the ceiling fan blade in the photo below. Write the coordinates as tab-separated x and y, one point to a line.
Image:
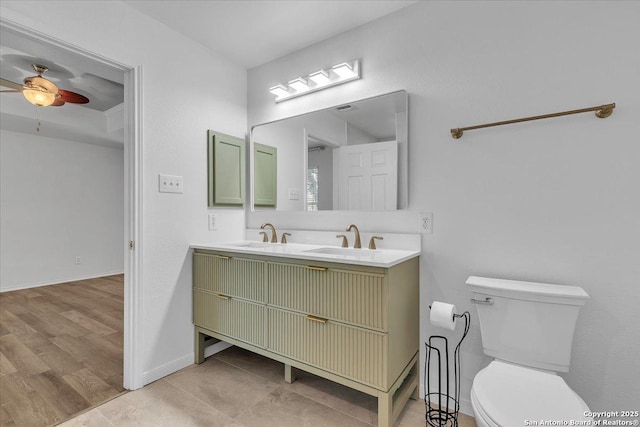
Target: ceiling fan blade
12	85
74	98
58	102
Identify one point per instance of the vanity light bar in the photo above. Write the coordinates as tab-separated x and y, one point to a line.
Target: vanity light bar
338	74
299	84
280	90
320	78
344	70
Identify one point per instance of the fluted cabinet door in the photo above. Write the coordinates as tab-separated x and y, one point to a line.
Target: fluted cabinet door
237	277
235	318
352	352
354	297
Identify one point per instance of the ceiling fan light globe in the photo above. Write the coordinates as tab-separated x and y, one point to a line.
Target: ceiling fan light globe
40	91
41	83
38	97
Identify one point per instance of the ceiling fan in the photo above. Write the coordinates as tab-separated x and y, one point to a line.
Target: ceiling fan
42	92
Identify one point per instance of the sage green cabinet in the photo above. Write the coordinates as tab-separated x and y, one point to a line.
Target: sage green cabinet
233	276
265	175
355	353
355	325
226	170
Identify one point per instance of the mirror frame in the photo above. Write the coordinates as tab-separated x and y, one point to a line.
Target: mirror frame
403	160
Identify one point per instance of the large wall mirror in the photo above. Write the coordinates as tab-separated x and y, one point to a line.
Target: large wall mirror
349	157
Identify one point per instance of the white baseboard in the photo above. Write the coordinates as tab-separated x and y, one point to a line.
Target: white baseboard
465	404
167	369
180	363
58	281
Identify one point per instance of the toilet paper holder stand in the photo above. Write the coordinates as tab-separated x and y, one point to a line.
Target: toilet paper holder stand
442	407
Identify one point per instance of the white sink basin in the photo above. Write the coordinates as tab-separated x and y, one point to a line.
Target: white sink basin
344	252
256	245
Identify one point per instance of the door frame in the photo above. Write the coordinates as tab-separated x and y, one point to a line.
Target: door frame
133	161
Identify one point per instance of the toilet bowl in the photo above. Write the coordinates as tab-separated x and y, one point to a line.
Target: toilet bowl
507	395
528	329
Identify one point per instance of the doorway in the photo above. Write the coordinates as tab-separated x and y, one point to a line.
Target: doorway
131	76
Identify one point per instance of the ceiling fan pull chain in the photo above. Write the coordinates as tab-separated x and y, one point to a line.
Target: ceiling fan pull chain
38	119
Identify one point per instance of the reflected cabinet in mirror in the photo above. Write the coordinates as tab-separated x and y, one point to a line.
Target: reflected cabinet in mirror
349	157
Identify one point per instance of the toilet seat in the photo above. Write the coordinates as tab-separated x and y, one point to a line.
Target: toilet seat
508	395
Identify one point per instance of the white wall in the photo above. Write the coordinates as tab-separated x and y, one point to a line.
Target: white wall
58	200
177	110
553	201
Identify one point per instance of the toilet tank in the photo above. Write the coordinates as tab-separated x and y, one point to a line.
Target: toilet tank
528	323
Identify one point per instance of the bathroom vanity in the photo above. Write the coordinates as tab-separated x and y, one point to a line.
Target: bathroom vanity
348	315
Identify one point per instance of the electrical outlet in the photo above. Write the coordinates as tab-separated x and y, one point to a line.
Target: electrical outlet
78	260
170	183
425	222
212	222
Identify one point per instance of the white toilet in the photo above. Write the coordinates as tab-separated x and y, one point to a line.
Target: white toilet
528	329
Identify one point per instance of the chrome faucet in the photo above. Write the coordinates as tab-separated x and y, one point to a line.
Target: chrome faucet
274	236
356	244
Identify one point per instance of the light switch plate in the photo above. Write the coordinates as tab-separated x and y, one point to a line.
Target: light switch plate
294	194
170	183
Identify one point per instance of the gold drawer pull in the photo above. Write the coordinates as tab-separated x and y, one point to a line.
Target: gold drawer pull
223	296
315	319
222	257
311	267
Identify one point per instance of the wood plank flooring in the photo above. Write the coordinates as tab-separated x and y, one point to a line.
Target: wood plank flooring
60	350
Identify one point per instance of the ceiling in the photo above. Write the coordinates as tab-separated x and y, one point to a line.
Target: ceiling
98	122
254	32
103	94
249	33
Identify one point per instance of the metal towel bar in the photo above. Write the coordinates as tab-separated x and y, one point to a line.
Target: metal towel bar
602	111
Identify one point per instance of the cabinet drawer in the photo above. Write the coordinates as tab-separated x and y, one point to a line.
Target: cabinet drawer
238	277
353	297
236	318
348	351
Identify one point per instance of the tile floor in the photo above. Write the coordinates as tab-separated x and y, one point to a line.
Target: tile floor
238	388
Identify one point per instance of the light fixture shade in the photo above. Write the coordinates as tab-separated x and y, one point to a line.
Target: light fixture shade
344	70
279	90
39	97
299	84
320	78
40	91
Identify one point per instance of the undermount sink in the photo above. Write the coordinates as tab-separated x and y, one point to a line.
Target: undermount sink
258	245
343	252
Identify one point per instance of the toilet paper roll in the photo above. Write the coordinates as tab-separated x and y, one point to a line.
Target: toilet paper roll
442	315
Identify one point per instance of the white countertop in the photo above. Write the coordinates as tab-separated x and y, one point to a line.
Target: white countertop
376	258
